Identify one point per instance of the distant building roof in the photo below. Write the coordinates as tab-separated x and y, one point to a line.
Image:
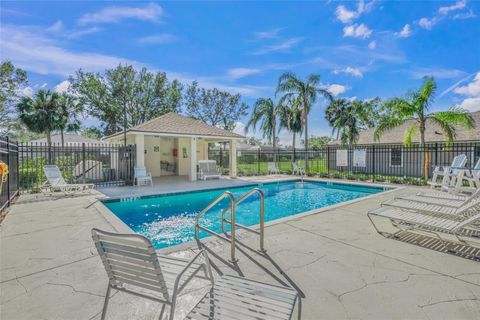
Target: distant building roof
174	123
69	139
433	133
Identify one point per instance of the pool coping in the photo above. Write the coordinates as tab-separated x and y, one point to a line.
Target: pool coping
121	227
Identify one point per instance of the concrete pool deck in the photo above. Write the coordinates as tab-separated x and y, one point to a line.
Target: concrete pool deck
50	269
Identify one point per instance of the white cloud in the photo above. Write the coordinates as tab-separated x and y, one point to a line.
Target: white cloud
62	86
237	73
472	93
427	23
438	73
357	31
59	29
372	45
467	15
151	12
283	46
349	70
57	26
472	89
27	91
37	53
336	89
269	34
346	16
457	6
405	32
239	128
157	39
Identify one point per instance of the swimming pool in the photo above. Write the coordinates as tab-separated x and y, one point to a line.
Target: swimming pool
168	219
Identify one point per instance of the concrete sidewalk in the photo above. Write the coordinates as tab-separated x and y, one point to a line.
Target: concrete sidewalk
50	270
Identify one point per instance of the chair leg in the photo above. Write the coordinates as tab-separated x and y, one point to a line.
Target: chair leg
105	304
162	312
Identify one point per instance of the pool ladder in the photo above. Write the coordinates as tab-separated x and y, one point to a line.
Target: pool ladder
233	225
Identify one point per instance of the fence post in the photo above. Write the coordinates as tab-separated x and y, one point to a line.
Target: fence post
373	163
83	163
328	160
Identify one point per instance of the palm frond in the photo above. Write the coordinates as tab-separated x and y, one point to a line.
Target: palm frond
386	123
447	120
409	134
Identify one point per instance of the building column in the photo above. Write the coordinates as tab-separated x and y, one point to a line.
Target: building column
193	160
233	158
140	145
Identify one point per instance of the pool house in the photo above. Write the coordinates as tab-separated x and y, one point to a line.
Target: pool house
172	145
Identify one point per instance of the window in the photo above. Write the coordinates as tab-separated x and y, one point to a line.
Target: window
396	157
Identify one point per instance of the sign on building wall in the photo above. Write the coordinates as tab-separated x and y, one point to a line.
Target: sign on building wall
360	158
342	158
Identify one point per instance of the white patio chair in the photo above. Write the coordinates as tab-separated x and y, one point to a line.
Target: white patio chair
56	182
442	201
208	169
239	298
465	231
272	168
468	206
141	177
473	176
297	169
448	174
134	267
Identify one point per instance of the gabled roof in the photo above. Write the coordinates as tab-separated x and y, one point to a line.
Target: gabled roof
433	133
174	123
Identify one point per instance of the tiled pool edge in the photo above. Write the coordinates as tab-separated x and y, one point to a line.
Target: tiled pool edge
121	227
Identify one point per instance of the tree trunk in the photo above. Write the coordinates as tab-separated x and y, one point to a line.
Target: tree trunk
423	145
49	138
62	136
274	142
293	145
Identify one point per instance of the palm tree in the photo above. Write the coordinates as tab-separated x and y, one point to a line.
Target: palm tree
349	117
68	111
306	92
264	111
40	115
416	106
291	119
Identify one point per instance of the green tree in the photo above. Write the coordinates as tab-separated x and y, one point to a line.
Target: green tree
214	107
92	133
348	118
291	119
124	97
317	143
307	93
69	109
252	141
265	112
416	105
40	114
11	80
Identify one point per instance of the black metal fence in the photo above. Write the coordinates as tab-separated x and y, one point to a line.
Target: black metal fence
379	162
101	164
9	183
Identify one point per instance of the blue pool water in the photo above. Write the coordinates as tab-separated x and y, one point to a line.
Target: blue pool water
169	219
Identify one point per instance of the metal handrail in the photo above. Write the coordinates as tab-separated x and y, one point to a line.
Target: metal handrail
261	233
232	212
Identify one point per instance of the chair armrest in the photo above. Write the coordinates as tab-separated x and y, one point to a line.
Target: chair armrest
179	276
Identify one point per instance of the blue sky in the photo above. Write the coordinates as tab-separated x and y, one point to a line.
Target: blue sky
361	49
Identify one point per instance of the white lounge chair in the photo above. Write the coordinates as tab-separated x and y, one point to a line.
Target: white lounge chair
141	177
472	205
272	168
445	201
56	182
297	169
473	176
446	230
208	169
131	263
448	174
